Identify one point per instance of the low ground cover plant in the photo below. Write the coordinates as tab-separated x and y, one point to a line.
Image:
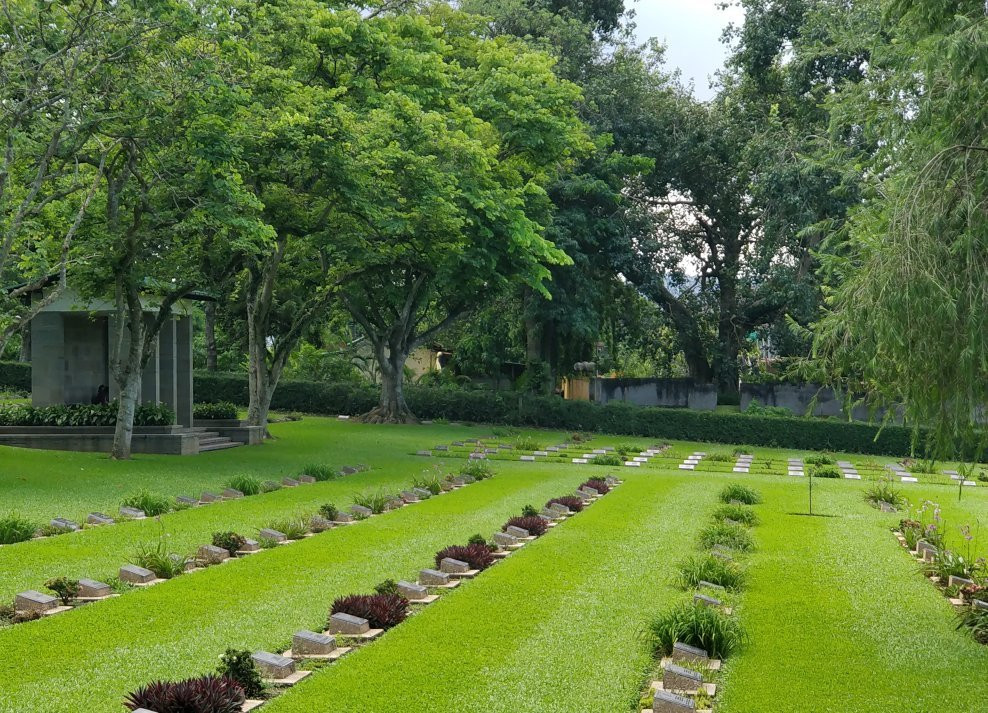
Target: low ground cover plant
696	625
388	586
629	449
720	457
535	525
433	484
571	501
221	410
229	541
741	493
204	694
707	568
239	666
734	536
246	484
478	556
382	611
819	459
738	513
14	528
152	504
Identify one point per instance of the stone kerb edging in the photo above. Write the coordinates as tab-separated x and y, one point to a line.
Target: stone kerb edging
33	604
347	633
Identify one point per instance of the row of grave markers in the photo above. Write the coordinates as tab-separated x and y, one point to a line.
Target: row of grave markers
280	670
927	552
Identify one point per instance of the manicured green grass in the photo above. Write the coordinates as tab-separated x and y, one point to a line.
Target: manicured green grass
86	660
556	627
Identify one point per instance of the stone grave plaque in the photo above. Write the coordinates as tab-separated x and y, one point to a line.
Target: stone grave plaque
273	666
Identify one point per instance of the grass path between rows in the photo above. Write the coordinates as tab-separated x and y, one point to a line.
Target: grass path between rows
555	628
840	619
86	660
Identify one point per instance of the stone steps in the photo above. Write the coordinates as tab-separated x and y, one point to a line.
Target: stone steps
219	445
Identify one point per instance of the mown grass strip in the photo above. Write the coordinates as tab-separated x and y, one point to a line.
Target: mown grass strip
555	627
88	659
841	620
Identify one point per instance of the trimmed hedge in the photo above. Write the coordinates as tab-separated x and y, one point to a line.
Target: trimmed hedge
15	376
554	412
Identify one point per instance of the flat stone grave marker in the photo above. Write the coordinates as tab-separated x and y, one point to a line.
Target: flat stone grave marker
268	534
611	480
707	601
699	453
955	581
969	483
957	477
231	493
503	539
343	518
950	472
458	443
549	514
680	678
687	466
581	461
633	463
599	451
98	518
409	497
348	470
208	497
250	546
540	453
735	501
980	604
343	417
434	578
467	479
886	507
415	593
719	554
527	458
453	566
422	493
852	476
552	449
289	482
136	575
440	448
592	492
133	513
91	589
211	554
186	500
665	702
423	453
908	479
741	469
692	654
63	524
348	625
361	511
477	456
273	666
306	479
560	508
491	450
309	644
33	600
703	584
518	532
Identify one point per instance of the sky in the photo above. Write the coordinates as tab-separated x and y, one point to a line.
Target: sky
691	30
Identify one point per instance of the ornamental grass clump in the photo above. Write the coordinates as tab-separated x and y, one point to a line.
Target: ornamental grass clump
884	492
535	525
606	459
477	469
294	528
151	504
598	484
159	560
738	513
246	484
976	620
434	484
14	528
736	537
477	556
571	501
706	568
382	611
377	500
742	493
319	471
205	694
696	625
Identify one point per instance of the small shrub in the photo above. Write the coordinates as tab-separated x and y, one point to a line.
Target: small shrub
388	586
433	484
928	467
382	611
14	528
329	511
246	484
527	443
529	511
737	491
884	492
64	588
376	500
824	471
706	568
229	541
606	459
535	525
819	459
477	539
741	452
477	556
756	409
239	666
696	625
720	457
598	484
156	558
7	614
151	503
24	616
629	449
205	694
738	513
478	469
51	530
571	501
734	536
319	471
221	410
294	527
580	437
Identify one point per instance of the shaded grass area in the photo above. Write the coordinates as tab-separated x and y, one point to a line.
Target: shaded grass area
841	620
556	627
86	660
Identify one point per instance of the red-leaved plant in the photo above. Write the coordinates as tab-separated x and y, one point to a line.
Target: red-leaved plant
206	694
597	484
382	611
477	556
533	523
571	501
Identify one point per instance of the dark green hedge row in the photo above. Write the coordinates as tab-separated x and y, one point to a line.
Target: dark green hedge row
15	376
553	412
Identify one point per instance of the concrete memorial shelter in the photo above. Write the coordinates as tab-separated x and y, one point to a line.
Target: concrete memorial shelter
73	342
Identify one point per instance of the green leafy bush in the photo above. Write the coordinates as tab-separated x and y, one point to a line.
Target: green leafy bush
756	409
696	625
478	469
720	457
15	376
629	449
14	528
388	586
82	415
246	484
824	471
221	410
734	536
527	443
819	459
319	471
707	568
738	513
376	500
64	588
329	511
606	459
884	491
529	511
742	493
151	504
156	558
294	528
239	665
477	539
229	541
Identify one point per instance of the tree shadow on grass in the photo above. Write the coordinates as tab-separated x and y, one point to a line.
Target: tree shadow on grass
808	514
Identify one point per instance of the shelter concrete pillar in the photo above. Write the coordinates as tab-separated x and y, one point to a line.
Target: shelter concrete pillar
47	359
167	365
150	384
183	371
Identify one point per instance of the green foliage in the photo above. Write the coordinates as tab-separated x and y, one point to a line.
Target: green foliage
824	471
884	491
819	459
15	376
738	513
734	536
329	511
246	484
707	568
152	504
976	620
222	410
696	625
479	469
756	409
527	443
606	459
156	557
376	500
294	528
14	528
320	471
433	484
743	493
82	415
477	539
238	665
719	457
64	588
229	541
388	586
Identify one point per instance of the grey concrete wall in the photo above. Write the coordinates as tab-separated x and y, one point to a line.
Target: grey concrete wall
86	365
798	397
47	360
668	393
183	371
167	365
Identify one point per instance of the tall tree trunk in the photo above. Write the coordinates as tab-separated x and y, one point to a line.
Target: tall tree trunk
728	338
210	336
392	407
258	383
25	343
127	369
